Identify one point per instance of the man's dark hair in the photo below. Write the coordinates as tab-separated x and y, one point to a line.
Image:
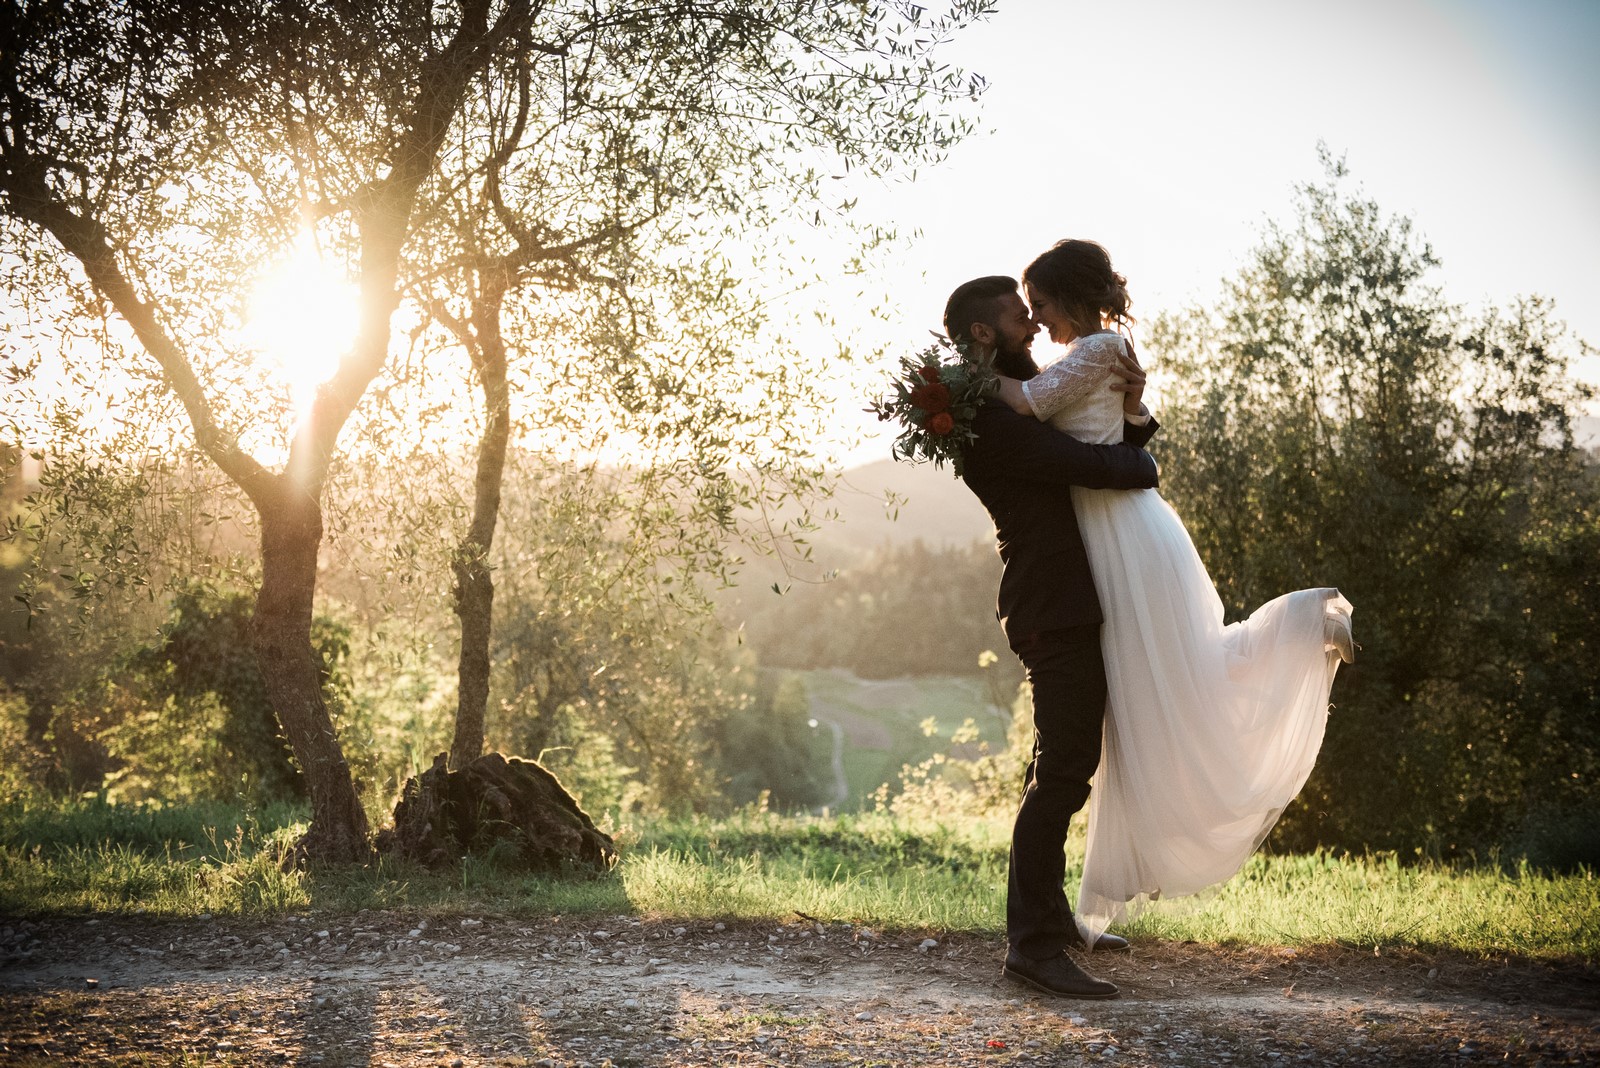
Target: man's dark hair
974	302
977	301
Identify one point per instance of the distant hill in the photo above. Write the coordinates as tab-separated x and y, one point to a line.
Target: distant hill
937	508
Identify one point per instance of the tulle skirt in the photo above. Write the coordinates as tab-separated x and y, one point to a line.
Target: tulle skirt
1210	729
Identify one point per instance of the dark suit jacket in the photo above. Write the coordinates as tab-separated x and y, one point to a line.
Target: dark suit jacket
1021	469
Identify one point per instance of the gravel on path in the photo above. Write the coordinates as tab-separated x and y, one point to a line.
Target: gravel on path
395	989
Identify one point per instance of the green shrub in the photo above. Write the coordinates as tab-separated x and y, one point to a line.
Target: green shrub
971	779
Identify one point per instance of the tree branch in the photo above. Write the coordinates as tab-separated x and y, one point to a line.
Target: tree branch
29	198
384	216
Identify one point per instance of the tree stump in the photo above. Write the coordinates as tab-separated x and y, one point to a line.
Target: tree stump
511	810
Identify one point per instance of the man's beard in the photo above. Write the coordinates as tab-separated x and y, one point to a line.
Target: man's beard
1015	363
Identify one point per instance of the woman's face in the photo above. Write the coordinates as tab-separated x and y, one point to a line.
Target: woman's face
1050	316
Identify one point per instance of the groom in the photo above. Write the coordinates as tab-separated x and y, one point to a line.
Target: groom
1021	469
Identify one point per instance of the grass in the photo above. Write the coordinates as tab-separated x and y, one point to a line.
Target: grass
82	857
1374	901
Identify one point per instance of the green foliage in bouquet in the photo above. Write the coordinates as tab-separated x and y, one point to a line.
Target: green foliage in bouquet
936	396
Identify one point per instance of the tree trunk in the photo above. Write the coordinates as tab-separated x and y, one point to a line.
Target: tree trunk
512	812
474	595
474	592
291	533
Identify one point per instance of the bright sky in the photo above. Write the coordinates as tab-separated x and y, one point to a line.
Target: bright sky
1170	130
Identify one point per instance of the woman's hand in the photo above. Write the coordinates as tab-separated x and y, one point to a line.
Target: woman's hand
1011	393
1130	380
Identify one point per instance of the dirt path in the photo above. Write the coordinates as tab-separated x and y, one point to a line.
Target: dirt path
380	989
841	782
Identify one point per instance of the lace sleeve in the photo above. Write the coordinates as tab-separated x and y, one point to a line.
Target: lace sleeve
1071	378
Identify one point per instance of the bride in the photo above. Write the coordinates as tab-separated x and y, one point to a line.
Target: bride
1211	728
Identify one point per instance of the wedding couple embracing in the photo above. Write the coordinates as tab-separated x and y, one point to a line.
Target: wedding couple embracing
1196	733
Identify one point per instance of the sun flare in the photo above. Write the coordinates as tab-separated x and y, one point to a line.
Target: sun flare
302	317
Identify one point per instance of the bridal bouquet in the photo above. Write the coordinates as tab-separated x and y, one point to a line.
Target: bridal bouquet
934	399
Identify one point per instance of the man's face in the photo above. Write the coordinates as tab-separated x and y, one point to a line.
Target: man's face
1014	327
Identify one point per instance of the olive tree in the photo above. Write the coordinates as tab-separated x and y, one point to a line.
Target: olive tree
442	153
590	259
1335	420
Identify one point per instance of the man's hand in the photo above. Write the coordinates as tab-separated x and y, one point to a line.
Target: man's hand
1130	380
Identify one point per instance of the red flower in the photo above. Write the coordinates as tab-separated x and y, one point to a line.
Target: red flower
941	423
931	397
929	374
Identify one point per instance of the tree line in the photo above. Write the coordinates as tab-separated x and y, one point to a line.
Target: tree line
636	702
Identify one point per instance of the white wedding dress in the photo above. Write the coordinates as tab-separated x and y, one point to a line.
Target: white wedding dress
1211	729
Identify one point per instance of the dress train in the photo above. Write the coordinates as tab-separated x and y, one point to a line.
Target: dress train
1212	729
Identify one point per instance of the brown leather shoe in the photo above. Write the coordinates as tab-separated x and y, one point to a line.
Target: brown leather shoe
1058	975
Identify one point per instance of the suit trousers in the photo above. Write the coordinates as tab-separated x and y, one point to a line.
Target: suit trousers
1068	675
